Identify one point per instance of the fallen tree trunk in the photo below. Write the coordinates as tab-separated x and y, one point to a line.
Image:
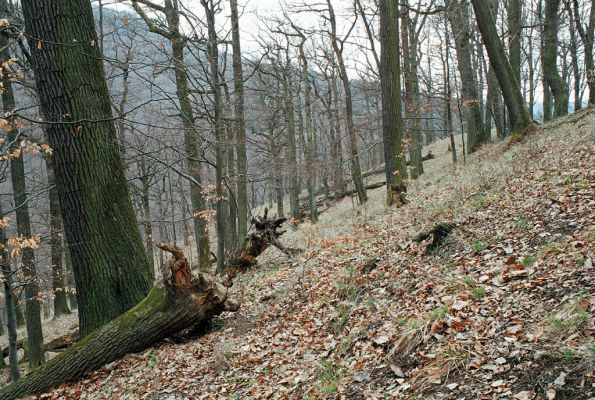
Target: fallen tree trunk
55	345
180	302
380	170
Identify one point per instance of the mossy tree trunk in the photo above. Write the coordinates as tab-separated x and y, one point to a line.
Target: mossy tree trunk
181	302
108	258
164	312
17	173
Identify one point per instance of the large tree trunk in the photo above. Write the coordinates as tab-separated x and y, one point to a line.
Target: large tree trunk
392	119
550	57
511	91
458	15
109	261
310	138
19	187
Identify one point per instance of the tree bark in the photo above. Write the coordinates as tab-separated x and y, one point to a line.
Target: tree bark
220	148
109	261
550	56
310	136
146	208
392	119
587	35
514	36
511	91
288	110
458	15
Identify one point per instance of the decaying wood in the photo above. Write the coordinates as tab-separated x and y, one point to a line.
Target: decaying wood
439	233
178	266
182	301
265	233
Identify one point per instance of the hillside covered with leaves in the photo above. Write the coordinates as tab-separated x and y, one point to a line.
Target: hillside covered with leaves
502	307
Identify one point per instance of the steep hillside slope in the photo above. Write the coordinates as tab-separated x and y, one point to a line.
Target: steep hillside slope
501	308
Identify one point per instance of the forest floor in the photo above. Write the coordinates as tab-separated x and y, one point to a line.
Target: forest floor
502	309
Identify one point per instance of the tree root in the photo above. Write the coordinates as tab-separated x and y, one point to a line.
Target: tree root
439	233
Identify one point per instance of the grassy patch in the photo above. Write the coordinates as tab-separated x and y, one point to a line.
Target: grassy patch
478	246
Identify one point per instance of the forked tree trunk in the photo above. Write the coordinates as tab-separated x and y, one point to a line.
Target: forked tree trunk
550	57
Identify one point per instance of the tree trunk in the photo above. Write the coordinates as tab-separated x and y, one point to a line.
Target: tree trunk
458	15
494	96
310	137
146	205
220	148
193	167
338	145
164	312
108	257
392	120
56	249
578	104
9	301
587	34
514	36
550	56
23	222
412	94
289	115
511	91
356	171
238	79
